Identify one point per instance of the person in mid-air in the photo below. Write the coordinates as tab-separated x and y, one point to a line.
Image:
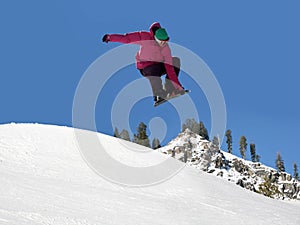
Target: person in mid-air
154	59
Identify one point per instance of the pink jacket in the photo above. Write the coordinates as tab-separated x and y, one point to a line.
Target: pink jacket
150	51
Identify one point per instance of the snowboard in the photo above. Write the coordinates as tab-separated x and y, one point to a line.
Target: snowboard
170	97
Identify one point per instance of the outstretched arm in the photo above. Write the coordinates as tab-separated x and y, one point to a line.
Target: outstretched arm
126	38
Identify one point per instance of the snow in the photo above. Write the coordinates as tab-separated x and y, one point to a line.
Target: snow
44	180
203	155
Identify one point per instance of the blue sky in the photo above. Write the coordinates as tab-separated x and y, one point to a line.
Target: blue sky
252	47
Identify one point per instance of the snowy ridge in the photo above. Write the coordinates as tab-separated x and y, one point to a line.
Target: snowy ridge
202	154
45	181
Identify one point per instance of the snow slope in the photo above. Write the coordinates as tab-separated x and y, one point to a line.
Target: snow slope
44	180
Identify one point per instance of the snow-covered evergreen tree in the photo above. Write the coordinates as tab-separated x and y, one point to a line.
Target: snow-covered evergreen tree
191	124
279	163
229	141
243	146
125	135
296	174
141	137
203	131
116	133
155	143
253	152
216	142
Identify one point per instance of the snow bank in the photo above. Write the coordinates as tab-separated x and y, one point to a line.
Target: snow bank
44	180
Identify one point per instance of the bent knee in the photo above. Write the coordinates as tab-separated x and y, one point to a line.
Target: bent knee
176	62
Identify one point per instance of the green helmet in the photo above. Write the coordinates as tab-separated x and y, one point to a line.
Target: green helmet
161	34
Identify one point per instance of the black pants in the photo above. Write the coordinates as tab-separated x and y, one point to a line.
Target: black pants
154	73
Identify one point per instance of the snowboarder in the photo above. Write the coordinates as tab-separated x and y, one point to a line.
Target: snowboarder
154	59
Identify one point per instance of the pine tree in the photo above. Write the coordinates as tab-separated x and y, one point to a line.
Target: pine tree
156	143
243	146
183	127
195	127
257	158
253	152
296	174
229	141
125	135
135	139
216	142
141	131
279	163
192	125
187	125
116	133
203	131
141	137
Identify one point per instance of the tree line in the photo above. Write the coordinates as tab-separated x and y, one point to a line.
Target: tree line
279	162
141	138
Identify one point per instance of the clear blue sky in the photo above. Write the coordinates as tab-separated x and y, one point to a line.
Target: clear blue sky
252	47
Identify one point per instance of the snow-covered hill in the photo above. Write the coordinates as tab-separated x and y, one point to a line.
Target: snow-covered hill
203	155
45	181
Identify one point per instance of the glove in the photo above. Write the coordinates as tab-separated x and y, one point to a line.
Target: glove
105	38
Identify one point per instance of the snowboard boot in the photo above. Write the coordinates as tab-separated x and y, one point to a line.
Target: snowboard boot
170	90
168	87
159	96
